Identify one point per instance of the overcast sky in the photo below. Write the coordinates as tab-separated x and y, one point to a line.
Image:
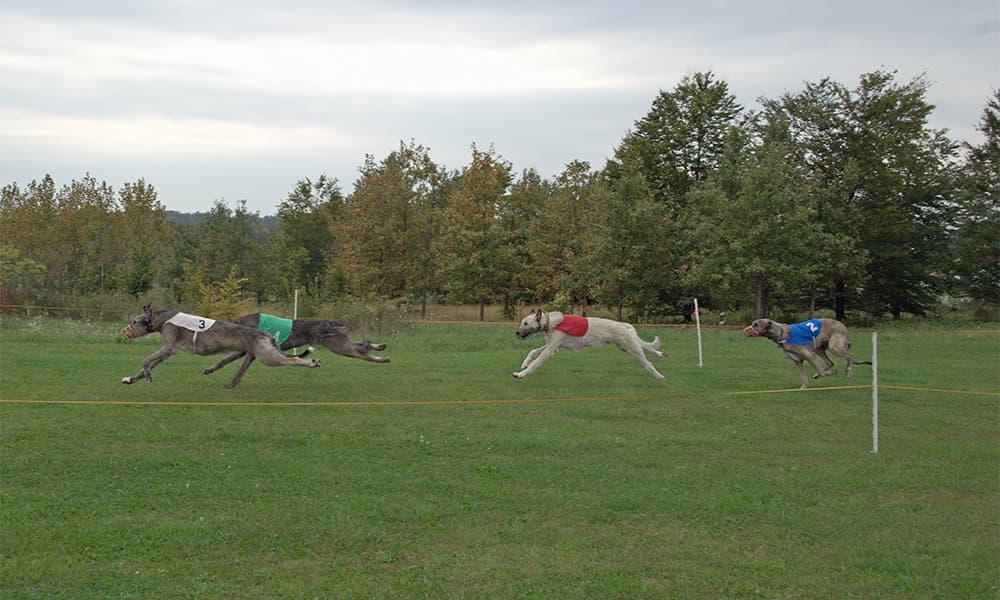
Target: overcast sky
238	100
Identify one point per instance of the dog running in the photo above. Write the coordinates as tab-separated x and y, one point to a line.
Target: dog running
576	333
290	334
808	340
202	336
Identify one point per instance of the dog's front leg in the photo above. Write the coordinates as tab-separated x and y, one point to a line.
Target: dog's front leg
802	374
149	364
544	354
531	356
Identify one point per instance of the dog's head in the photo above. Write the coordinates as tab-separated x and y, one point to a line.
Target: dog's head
530	324
141	324
760	327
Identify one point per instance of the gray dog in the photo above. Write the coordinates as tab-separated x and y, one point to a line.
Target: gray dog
808	340
203	336
299	332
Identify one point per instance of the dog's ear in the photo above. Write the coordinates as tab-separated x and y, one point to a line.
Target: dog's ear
148	309
538	315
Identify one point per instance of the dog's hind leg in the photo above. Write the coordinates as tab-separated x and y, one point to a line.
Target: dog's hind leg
638	351
829	363
344	346
225	361
149	364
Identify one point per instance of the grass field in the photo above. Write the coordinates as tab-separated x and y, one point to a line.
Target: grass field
589	479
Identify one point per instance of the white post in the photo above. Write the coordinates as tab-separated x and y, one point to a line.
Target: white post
697	321
295	307
874	393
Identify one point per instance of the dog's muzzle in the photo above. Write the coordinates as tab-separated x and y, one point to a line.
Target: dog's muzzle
130	333
750	331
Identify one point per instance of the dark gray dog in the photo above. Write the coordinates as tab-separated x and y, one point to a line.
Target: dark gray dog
202	336
332	335
808	340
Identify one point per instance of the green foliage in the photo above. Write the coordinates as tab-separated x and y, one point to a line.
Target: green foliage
306	250
476	262
977	235
222	299
18	275
700	199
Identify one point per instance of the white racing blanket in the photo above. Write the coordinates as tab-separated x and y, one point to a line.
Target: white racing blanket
192	323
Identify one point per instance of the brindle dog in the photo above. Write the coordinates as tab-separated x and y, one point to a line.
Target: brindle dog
832	336
222	336
332	335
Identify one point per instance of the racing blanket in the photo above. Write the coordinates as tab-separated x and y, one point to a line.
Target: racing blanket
275	327
191	322
805	332
574	325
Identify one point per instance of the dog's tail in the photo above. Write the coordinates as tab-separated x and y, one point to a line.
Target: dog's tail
861	362
654	345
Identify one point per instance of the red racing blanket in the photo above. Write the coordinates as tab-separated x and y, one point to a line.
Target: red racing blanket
574	325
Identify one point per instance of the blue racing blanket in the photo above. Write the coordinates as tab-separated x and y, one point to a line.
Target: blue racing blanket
805	332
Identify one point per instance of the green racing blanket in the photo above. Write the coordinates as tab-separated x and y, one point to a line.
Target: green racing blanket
276	327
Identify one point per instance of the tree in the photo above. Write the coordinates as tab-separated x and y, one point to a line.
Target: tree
883	182
631	243
476	262
563	239
309	245
681	138
521	213
977	232
18	274
678	143
141	227
392	221
758	238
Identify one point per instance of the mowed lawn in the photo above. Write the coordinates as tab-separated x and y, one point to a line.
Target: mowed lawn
441	476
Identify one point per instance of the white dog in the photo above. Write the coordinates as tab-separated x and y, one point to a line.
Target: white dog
571	331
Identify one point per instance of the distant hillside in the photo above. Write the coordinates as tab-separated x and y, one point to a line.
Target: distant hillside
270	222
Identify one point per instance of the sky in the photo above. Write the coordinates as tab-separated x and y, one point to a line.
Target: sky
239	100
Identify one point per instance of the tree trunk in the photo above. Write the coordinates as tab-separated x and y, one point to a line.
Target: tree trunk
763	302
840	300
482	310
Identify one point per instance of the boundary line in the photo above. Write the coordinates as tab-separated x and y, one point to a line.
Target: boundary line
320	404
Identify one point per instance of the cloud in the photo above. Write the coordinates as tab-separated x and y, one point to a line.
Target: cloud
114	86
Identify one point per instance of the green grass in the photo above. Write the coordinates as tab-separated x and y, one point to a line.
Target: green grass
678	489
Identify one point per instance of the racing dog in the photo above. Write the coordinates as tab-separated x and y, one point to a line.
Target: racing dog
571	331
203	336
290	333
808	340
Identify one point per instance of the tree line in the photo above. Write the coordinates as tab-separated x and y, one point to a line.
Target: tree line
827	198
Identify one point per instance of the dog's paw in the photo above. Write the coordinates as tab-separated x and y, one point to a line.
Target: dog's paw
127	380
518	375
315	362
